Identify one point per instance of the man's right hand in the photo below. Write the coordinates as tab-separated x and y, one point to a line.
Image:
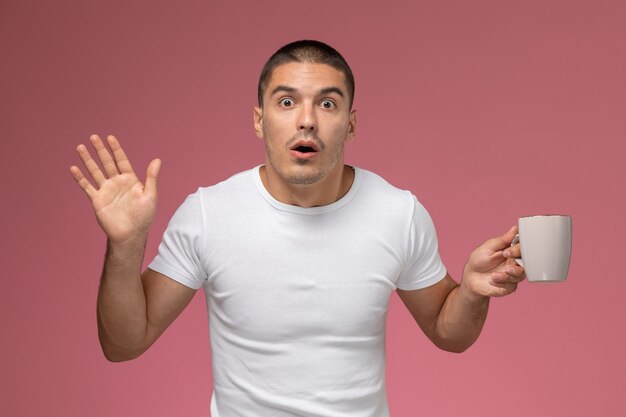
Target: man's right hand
124	207
133	308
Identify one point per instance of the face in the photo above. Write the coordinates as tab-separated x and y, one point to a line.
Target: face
305	122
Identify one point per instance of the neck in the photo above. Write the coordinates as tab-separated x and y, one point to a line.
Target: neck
324	192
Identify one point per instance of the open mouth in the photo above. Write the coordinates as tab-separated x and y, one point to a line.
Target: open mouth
304	149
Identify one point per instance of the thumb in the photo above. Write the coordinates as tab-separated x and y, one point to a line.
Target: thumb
502	242
507	238
151	177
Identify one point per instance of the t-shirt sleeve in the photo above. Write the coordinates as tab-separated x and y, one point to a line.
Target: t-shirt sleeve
423	267
179	252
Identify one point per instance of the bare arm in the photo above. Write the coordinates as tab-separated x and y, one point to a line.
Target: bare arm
453	315
133	308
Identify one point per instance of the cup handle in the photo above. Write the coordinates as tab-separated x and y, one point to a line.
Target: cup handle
514	242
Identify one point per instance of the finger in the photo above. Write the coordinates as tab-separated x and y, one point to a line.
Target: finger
82	181
505	288
151	177
510	275
121	160
515	271
105	157
514	251
90	164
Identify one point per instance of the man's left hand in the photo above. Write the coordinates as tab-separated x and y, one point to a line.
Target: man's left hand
491	270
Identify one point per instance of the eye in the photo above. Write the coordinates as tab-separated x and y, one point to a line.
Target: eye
286	102
328	104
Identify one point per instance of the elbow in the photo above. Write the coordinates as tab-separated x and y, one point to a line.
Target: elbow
454	346
454	349
454	339
117	357
114	358
119	350
116	353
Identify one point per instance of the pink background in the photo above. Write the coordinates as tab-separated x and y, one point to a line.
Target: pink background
486	110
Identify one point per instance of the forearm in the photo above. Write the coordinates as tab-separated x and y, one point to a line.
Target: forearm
453	315
460	320
121	306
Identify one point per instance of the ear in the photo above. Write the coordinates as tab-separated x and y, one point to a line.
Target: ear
351	126
258	122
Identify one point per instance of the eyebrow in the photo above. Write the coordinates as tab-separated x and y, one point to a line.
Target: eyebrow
323	91
329	90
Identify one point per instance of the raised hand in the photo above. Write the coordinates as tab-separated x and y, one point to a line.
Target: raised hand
124	207
491	270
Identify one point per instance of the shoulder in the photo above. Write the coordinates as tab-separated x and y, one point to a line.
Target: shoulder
235	188
236	183
221	196
375	183
384	195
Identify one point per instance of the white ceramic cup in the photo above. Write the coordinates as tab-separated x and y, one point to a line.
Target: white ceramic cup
546	246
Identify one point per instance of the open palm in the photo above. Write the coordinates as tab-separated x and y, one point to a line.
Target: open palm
124	206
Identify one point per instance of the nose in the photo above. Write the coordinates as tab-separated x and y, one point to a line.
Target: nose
306	118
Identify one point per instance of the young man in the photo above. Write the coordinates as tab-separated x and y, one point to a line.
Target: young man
297	257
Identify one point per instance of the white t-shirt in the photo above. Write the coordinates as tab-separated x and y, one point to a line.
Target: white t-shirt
297	297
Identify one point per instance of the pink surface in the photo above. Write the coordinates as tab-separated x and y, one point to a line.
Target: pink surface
487	110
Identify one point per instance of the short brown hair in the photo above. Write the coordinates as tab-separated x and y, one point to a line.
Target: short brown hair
306	51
